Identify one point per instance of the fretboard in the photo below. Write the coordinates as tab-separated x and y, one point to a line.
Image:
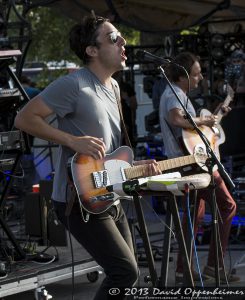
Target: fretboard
220	113
164	165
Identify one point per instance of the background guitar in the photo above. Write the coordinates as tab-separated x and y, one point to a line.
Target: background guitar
215	135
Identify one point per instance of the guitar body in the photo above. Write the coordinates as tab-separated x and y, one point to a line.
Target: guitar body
215	136
218	130
87	171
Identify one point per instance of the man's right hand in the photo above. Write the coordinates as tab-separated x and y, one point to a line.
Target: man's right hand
89	145
209	121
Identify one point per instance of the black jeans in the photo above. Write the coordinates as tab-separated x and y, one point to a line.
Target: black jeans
107	238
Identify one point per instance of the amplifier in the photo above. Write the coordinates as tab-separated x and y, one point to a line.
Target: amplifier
11	140
8	93
9	99
39	221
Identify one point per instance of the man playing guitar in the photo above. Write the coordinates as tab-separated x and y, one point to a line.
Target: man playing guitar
85	103
173	121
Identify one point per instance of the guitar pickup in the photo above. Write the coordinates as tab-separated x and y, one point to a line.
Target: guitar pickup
105	197
101	179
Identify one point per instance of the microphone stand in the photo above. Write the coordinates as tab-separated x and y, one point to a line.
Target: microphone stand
211	162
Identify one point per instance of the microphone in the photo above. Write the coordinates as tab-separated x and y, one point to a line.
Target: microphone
144	55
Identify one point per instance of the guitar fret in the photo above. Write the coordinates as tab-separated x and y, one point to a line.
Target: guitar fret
134	172
128	173
178	161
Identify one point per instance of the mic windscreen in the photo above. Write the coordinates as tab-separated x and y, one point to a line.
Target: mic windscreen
147	56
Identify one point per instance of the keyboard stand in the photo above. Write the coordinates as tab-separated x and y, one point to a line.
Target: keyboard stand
173	212
172	217
174	186
145	238
163	279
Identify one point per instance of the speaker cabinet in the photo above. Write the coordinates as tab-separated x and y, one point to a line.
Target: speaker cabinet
39	219
233	126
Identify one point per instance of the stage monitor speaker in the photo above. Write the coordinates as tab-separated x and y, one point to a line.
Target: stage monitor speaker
39	219
33	219
233	126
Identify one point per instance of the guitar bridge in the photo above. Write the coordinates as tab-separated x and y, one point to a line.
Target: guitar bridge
101	179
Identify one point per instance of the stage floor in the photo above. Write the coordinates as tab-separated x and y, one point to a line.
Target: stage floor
27	275
22	282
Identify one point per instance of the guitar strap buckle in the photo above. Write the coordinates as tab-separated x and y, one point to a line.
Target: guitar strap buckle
85	215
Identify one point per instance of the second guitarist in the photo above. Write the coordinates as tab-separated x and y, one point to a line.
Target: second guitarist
172	121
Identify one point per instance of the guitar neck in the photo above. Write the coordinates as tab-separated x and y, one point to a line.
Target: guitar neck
220	113
164	165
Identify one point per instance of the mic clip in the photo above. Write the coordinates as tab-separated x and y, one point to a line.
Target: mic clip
127	188
131	186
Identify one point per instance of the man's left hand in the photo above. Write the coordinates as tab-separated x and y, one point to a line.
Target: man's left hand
225	109
152	167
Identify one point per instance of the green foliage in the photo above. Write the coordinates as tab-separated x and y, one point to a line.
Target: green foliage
191	30
50	31
46	76
49	36
132	36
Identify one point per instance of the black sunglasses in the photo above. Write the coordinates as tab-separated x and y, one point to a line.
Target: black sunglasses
114	35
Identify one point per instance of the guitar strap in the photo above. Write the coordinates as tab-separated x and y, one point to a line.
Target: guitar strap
123	126
73	197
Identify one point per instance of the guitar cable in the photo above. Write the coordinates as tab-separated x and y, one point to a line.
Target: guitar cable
71	247
220	246
187	193
193	238
161	221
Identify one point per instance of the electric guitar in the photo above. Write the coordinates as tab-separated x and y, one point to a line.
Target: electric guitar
92	177
215	135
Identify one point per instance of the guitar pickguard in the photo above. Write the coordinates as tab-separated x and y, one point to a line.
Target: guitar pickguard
115	169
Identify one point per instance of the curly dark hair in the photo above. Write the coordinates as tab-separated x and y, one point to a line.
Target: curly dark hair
85	34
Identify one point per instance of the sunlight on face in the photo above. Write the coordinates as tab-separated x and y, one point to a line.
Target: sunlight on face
196	74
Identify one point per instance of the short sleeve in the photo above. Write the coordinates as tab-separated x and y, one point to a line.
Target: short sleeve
61	95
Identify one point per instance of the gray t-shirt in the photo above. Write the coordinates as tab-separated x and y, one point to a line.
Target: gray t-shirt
83	107
168	102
